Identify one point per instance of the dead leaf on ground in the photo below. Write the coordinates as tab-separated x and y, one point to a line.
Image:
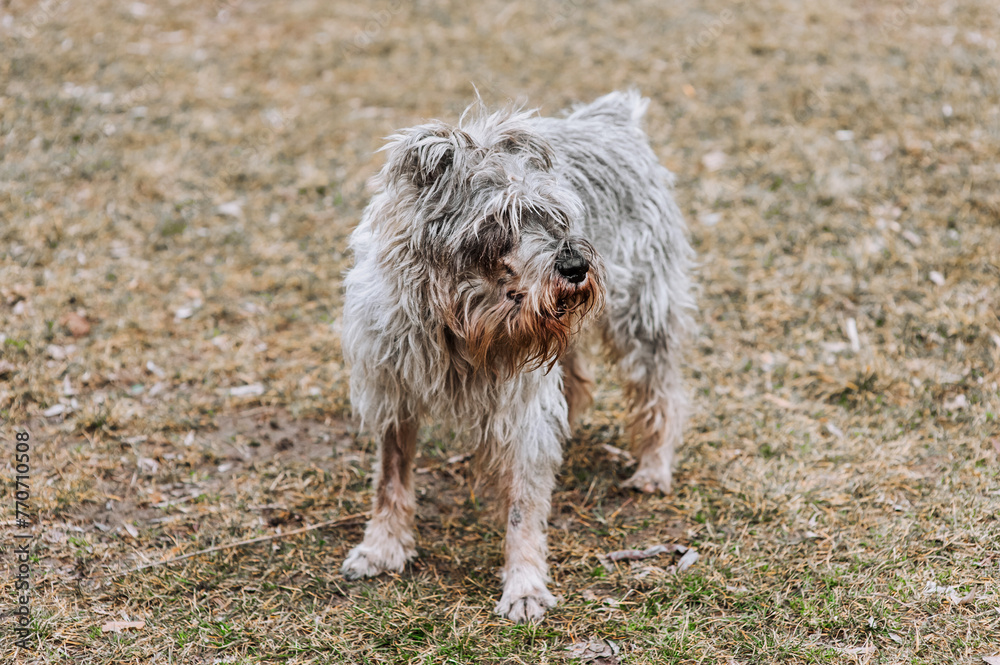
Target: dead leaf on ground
251	390
866	650
967	598
595	650
119	626
55	410
957	403
688	560
76	323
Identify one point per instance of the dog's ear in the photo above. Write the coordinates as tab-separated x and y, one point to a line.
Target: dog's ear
421	155
529	143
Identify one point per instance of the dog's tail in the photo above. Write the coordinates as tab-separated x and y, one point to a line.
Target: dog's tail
623	108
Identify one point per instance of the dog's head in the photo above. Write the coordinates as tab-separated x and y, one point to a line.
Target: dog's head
480	206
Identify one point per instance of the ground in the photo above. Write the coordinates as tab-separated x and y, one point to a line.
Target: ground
176	188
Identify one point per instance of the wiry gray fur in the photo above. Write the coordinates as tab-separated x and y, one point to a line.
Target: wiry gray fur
463	298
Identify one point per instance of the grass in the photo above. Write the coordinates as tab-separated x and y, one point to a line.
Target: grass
185	177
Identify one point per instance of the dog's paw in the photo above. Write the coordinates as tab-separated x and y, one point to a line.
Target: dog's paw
527	607
360	564
366	561
650	480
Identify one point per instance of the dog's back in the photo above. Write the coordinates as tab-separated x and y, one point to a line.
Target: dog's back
603	153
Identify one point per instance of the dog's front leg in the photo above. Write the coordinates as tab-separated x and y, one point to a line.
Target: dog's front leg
527	480
388	543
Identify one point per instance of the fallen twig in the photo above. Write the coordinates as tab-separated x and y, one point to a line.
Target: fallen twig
240	543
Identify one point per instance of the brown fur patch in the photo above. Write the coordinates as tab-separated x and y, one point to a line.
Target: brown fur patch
396	478
514	337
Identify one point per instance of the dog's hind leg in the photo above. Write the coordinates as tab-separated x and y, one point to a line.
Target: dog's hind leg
647	349
657	412
389	543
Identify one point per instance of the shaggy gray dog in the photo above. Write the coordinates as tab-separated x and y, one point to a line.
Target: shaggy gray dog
488	247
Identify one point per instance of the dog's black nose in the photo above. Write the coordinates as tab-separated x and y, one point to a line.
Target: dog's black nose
572	266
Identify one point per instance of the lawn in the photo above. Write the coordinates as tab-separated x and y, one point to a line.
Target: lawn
177	184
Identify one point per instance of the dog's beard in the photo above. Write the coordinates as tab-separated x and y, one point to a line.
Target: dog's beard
515	336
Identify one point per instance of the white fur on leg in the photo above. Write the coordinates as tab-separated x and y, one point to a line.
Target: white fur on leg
657	435
525	573
655	472
531	463
387	546
525	597
658	408
388	543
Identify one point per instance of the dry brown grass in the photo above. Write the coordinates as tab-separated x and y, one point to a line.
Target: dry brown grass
824	486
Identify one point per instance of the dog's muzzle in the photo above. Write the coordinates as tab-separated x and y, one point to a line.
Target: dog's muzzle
572	265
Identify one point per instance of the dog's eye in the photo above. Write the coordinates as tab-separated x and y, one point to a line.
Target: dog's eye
515	296
502	273
492	246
